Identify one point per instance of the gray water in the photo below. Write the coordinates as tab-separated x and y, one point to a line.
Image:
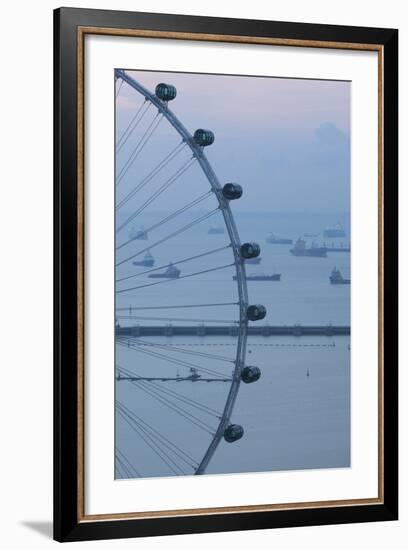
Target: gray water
297	415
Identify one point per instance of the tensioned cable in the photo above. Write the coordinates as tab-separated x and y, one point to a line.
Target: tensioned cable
134	128
170	445
130	308
132	121
126	460
119	87
124	466
149	440
176	319
175	395
178	362
139	147
176	279
176	408
119	469
158	192
171	235
129	130
183	350
176	263
153	437
174	361
171	216
162	164
152	445
159	434
156	393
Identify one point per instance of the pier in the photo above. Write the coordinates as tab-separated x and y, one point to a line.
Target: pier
232	330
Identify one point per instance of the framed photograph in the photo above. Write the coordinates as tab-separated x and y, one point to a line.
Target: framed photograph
225	274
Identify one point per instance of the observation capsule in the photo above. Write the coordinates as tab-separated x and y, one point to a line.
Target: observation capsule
232	191
233	432
250	374
256	312
250	250
165	92
203	137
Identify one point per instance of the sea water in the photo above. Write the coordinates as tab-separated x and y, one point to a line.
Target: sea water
297	415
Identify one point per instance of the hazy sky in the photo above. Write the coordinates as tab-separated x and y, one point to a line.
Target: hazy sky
286	141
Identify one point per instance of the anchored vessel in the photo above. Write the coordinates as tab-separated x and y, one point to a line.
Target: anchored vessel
334	232
340	248
140	234
224	427
261	277
148	260
172	272
216	230
336	278
273	239
314	251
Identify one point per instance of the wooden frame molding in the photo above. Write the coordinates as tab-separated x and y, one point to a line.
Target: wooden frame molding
71	28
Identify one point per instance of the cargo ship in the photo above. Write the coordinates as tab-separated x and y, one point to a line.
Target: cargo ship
261	277
172	272
334	232
336	278
273	239
148	260
340	248
216	230
140	234
314	251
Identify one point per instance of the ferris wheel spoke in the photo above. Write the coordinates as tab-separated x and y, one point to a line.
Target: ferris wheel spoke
183	350
172	360
158	168
136	147
120	471
133	124
179	172
133	471
133	377
139	147
126	466
152	444
178	319
166	358
156	434
218	268
119	88
177	306
171	216
171	235
171	404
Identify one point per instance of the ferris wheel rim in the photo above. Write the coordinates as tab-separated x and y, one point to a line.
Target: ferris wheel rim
239	262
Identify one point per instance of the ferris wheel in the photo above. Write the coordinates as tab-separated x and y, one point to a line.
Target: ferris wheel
156	374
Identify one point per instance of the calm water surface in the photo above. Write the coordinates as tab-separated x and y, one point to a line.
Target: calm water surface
297	415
